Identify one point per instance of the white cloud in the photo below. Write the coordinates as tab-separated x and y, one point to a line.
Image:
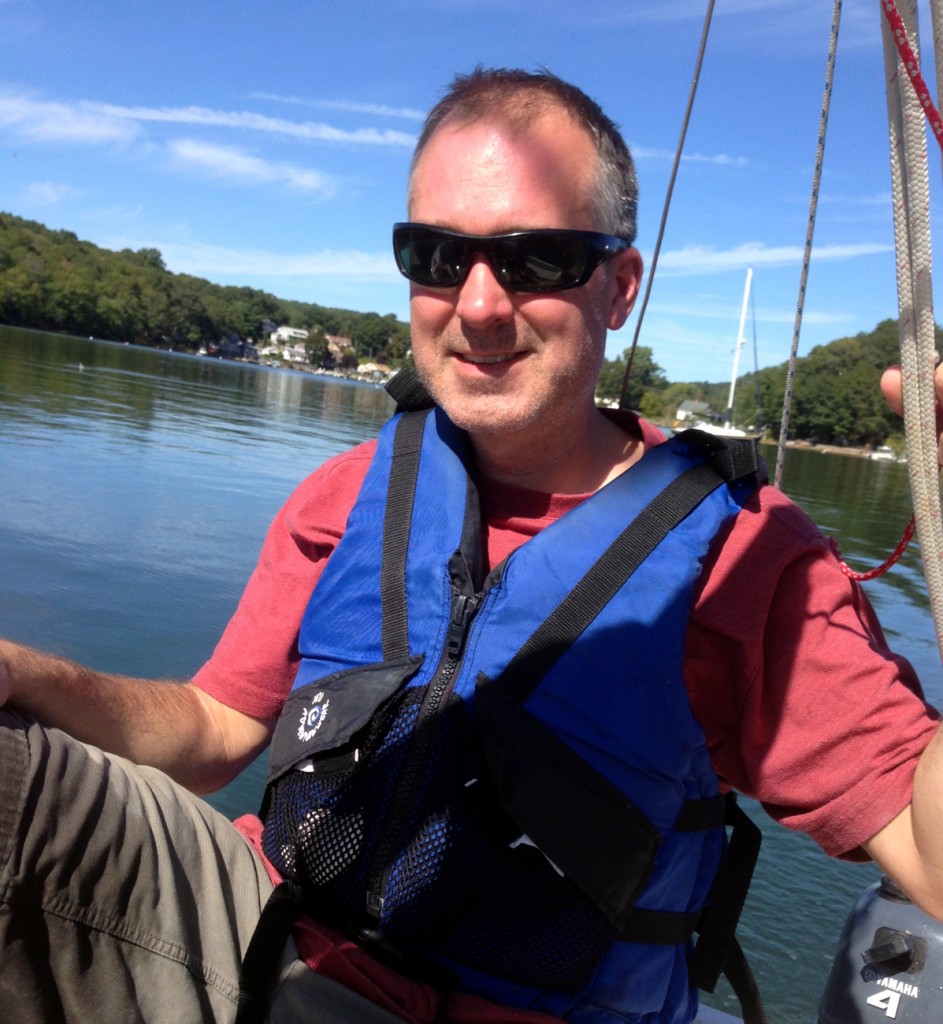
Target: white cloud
306	130
718	159
232	164
47	193
709	309
378	109
203	260
697	259
405	113
44	121
87	121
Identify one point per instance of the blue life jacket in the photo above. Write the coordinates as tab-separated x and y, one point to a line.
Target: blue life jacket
502	773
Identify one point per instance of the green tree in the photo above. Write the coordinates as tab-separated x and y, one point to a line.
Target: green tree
646	376
651	406
316	348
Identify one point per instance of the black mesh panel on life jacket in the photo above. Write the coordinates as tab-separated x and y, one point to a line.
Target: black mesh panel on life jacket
315	831
453	884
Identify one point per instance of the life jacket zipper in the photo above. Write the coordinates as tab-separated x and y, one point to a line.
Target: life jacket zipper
463	610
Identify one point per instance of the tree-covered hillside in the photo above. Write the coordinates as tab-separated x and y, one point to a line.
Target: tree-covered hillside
54	281
836	393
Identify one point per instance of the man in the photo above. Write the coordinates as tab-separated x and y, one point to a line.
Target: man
519	251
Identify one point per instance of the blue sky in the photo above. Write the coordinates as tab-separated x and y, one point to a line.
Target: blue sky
268	144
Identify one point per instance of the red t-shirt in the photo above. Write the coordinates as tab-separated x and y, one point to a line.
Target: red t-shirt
803	706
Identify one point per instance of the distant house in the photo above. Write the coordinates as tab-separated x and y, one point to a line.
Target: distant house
233	347
338	345
691	410
284	334
296	353
374	371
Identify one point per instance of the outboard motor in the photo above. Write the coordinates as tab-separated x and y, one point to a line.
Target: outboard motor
888	965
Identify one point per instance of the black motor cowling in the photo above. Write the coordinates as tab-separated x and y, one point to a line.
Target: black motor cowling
888	964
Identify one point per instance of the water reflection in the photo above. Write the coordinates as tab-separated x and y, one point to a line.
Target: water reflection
137	488
141	395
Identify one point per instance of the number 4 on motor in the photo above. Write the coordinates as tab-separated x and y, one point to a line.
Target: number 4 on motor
886	1001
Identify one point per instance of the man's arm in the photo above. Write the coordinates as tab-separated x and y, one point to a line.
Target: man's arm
174	726
909	848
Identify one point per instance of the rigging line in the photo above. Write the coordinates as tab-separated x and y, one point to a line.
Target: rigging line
807	254
926	462
911	66
936	19
910	187
889	562
665	207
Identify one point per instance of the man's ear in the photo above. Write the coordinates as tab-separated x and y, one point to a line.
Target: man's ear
625	279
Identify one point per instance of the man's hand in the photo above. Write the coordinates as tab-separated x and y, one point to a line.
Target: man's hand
892	387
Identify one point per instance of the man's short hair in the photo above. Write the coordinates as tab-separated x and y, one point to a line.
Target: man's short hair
515	98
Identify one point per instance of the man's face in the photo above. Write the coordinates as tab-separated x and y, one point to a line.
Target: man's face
500	361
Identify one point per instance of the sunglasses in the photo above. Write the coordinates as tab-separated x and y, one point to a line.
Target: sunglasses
543	260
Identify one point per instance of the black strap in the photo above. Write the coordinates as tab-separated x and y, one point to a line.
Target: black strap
399	512
260	966
733	458
738	972
408	391
658	927
606	577
717	951
701	815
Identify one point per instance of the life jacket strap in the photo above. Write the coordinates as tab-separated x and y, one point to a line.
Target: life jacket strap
260	965
560	630
732	458
408	391
701	815
398	515
717	951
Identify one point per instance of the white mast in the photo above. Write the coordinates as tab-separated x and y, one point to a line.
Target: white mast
736	355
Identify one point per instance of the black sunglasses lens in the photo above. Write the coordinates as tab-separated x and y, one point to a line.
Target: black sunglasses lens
431	258
540	263
525	261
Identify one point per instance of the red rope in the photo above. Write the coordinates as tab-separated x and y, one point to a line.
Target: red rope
912	67
872	574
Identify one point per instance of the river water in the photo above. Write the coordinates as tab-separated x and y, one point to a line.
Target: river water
137	486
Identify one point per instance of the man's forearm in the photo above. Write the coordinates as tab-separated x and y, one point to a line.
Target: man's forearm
909	848
927	823
163	723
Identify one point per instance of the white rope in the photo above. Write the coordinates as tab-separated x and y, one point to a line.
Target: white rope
911	194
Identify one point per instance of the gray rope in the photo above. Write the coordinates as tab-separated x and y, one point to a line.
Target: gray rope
911	191
667	203
807	254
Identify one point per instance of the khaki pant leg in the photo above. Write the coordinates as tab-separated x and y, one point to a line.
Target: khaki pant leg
123	897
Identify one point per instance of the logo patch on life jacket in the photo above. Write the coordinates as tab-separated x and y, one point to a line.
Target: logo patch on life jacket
312	718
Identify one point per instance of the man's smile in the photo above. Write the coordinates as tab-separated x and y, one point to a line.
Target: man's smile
469	357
